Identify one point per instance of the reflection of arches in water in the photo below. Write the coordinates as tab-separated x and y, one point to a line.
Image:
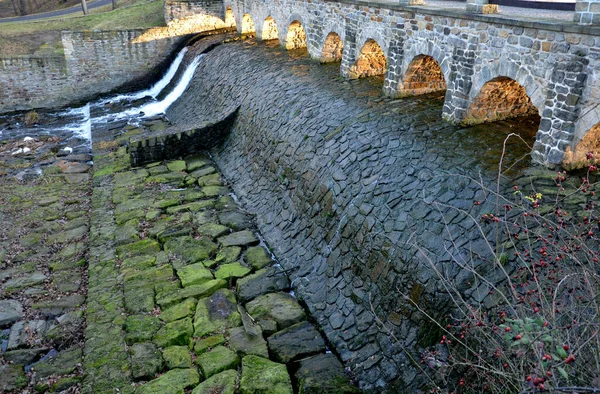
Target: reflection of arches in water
296	36
269	31
500	98
229	17
248	24
370	62
332	49
423	75
586	152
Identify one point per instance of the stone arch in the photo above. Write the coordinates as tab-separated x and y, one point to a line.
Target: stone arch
269	30
248	24
371	61
423	75
333	48
296	36
499	98
578	157
229	17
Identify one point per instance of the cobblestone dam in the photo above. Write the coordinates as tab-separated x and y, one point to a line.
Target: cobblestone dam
280	228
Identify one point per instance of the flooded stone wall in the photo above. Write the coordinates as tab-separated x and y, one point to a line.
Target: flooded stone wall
343	183
93	63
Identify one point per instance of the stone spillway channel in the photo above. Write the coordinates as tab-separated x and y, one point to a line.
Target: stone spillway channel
146	280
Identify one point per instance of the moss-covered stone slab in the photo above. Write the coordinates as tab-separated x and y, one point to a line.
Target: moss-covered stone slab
149	276
194	274
174	381
209	180
323	373
280	307
204	344
260	375
63	363
141	328
177	165
130	177
195	291
13	377
229	254
241	238
217	360
216	313
221	383
146	360
176	179
244	344
21	282
195	162
236	220
191	207
143	247
232	271
57	307
177	357
187	250
139	299
174	231
64	384
68	236
258	257
67	281
268	280
203	172
297	341
175	333
10	311
213	230
179	311
139	263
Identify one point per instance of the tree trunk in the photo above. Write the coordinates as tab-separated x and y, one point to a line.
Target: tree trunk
84	7
114	4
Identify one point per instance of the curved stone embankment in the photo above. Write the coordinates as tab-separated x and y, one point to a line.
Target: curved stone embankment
344	184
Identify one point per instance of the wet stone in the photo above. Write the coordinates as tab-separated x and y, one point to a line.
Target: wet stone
232	271
279	307
245	344
178	332
195	291
217	360
221	383
146	360
268	280
188	250
10	311
141	328
177	357
235	219
215	313
323	373
174	381
295	342
204	344
179	311
63	363
258	257
241	238
260	375
194	274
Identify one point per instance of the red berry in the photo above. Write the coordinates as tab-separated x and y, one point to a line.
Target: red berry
566	347
519	337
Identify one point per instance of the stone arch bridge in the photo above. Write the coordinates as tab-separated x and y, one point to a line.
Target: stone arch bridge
491	68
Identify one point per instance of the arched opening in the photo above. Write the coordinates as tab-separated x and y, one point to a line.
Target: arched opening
270	30
332	49
423	75
370	62
586	152
500	98
248	24
296	36
229	17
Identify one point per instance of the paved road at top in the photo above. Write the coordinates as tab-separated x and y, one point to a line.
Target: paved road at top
67	11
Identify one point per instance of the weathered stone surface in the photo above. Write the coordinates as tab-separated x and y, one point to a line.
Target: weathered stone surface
146	360
232	271
221	383
21	282
13	377
228	254
56	307
10	311
268	280
235	219
177	165
194	274
195	291
245	344
258	257
217	360
189	250
141	328
143	247
297	341
63	363
24	356
177	357
174	381
178	332
280	307
241	238
179	311
213	230
67	281
24	333
260	375
215	313
323	373
204	344
197	161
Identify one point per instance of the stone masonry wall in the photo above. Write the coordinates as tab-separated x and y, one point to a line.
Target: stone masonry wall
94	62
342	187
556	64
